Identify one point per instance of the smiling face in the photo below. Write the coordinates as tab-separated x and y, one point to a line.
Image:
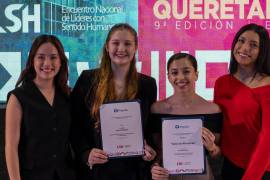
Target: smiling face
182	75
121	48
47	62
246	49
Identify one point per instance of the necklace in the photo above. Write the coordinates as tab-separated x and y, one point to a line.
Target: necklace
246	78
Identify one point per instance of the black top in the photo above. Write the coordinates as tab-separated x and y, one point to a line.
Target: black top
213	121
85	136
44	136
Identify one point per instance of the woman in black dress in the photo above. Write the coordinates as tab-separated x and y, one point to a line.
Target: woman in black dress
38	116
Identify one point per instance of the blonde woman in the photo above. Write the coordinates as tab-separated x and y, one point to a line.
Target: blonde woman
116	79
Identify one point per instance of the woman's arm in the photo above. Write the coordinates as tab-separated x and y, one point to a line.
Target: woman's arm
260	159
79	136
82	126
12	137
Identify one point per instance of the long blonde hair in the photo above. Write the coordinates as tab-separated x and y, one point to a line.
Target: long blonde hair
103	78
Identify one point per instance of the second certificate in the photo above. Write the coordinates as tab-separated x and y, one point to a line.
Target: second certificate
183	151
121	129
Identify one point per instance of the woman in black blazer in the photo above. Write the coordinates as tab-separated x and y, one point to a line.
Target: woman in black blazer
38	116
116	79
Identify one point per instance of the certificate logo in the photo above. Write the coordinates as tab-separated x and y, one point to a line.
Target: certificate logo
119	110
177	126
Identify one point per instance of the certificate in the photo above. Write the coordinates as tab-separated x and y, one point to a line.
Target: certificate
183	151
121	129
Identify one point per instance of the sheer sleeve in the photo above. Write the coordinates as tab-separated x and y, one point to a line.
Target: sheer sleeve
260	159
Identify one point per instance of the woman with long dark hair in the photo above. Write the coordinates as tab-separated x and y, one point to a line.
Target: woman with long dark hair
244	98
38	116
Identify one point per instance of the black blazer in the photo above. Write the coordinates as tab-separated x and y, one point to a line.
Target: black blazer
44	147
85	137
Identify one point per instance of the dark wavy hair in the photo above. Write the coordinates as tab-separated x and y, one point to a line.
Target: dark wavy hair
262	65
29	73
179	56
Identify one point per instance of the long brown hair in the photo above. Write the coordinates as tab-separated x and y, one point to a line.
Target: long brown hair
29	73
105	89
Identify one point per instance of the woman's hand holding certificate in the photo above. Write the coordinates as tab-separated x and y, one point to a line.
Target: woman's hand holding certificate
149	153
97	156
121	129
